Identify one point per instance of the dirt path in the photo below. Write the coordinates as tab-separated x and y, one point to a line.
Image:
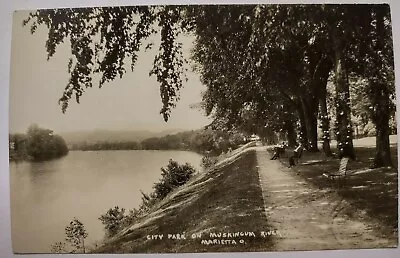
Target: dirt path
308	218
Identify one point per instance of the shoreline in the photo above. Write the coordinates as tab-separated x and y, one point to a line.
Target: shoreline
210	213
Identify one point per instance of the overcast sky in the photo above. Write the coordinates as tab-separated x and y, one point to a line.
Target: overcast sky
131	103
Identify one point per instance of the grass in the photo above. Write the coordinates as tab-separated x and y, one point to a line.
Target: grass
227	198
370	191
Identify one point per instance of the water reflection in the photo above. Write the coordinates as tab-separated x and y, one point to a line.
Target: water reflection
45	196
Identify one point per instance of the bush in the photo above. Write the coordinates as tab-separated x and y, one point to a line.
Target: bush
208	161
37	144
113	220
59	248
75	235
148	200
75	239
173	176
42	144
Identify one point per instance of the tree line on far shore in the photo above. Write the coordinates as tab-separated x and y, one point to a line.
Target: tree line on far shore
42	144
205	140
36	145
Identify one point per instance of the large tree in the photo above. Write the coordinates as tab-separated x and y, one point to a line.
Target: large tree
267	59
274	58
104	39
372	59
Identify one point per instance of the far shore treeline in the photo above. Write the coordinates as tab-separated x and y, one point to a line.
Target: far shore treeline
206	140
40	144
36	145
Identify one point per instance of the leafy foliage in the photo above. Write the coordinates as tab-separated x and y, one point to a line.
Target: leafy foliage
104	39
37	144
114	220
267	62
174	175
58	248
214	141
286	52
75	235
208	161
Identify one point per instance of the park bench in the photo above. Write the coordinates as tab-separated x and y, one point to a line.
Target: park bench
278	151
341	172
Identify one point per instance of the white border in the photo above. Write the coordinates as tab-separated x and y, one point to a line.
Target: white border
6	11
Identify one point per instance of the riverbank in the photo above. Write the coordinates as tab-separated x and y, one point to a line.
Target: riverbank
47	192
220	210
248	202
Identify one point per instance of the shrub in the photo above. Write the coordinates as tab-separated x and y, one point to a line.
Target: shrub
59	248
173	176
113	220
208	161
76	234
148	200
75	237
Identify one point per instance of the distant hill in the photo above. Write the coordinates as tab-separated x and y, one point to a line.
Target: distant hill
96	136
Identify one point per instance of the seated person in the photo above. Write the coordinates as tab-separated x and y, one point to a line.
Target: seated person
296	156
278	150
298	151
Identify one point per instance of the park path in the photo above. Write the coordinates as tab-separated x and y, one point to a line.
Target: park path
307	218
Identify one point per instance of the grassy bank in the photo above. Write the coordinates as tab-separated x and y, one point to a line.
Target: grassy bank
226	199
368	192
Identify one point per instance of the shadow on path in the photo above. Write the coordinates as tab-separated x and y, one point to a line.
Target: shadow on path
308	218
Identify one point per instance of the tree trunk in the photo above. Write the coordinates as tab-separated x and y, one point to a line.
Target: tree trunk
382	156
291	133
303	139
380	101
344	135
357	132
344	129
310	115
326	146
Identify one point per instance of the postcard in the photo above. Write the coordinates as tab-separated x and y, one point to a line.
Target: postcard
203	128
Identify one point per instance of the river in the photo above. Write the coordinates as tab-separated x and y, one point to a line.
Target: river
46	196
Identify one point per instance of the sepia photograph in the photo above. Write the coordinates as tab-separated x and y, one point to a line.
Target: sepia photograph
203	129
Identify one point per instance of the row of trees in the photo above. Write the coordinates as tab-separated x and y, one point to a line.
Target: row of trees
37	144
205	140
266	67
106	145
288	56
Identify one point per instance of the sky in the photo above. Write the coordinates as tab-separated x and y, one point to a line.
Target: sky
130	103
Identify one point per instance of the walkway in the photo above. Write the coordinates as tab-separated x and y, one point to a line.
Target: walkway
308	218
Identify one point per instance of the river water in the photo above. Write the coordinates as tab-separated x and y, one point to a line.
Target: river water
46	196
